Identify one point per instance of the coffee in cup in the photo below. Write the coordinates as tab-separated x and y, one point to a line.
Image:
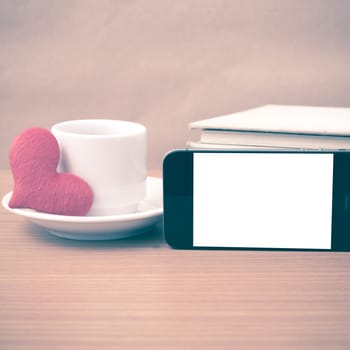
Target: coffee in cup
110	155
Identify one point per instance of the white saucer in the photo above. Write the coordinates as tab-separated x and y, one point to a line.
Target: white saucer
101	227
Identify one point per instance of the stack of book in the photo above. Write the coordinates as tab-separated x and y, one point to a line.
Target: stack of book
277	127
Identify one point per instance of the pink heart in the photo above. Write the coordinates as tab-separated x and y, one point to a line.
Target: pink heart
34	156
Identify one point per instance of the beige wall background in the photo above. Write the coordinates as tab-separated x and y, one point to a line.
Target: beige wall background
165	63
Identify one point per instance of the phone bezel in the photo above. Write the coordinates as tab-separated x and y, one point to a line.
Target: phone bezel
178	199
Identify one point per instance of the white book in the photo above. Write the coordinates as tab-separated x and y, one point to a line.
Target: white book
267	139
280	126
202	145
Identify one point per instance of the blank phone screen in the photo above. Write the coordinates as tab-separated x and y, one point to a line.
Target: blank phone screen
264	200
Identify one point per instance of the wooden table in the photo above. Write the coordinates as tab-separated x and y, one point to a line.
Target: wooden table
139	294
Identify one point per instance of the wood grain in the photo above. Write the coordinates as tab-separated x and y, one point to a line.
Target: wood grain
139	294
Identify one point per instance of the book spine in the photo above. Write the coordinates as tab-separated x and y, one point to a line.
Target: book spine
274	140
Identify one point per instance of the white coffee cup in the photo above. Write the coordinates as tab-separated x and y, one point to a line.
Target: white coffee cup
111	156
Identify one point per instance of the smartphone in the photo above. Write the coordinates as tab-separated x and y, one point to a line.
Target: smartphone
285	200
